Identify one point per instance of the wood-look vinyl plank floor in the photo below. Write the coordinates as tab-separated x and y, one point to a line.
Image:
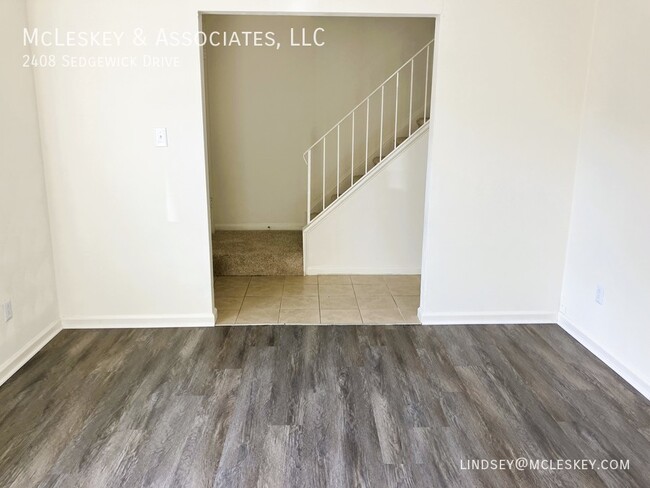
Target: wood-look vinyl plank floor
308	406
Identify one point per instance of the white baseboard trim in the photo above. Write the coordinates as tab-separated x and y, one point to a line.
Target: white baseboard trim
138	321
363	270
273	226
15	362
623	371
486	318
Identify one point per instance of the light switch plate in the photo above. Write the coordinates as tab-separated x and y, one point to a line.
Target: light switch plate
160	135
600	294
8	311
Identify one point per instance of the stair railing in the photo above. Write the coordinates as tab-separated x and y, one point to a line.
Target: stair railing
307	155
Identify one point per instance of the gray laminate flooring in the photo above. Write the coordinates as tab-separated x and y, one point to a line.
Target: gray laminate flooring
298	406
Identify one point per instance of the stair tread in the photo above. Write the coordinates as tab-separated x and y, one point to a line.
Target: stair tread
257	253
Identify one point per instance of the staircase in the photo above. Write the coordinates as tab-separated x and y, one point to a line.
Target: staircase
362	140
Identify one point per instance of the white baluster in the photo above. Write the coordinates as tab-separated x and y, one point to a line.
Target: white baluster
426	85
324	140
367	128
396	105
338	158
381	124
309	185
411	100
352	155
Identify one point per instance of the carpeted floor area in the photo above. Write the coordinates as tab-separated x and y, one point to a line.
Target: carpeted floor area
258	253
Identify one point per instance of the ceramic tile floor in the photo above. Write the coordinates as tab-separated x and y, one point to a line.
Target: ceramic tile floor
326	299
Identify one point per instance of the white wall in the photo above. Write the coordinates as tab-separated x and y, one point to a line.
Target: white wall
610	231
26	263
129	221
267	105
509	86
377	227
510	79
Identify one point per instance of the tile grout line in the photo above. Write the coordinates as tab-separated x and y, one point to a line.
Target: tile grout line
356	299
241	305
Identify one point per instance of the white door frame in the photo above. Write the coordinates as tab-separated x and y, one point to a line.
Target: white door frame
378	8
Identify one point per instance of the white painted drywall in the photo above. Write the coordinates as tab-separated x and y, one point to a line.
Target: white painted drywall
267	105
129	221
610	225
509	87
504	141
377	227
26	262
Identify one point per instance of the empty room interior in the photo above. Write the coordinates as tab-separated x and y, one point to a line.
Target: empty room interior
325	244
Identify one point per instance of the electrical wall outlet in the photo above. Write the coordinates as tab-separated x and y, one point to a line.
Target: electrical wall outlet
8	311
600	294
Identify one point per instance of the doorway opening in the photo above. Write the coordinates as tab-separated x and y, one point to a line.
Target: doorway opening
314	218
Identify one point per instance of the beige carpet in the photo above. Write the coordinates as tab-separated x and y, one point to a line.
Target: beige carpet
263	253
